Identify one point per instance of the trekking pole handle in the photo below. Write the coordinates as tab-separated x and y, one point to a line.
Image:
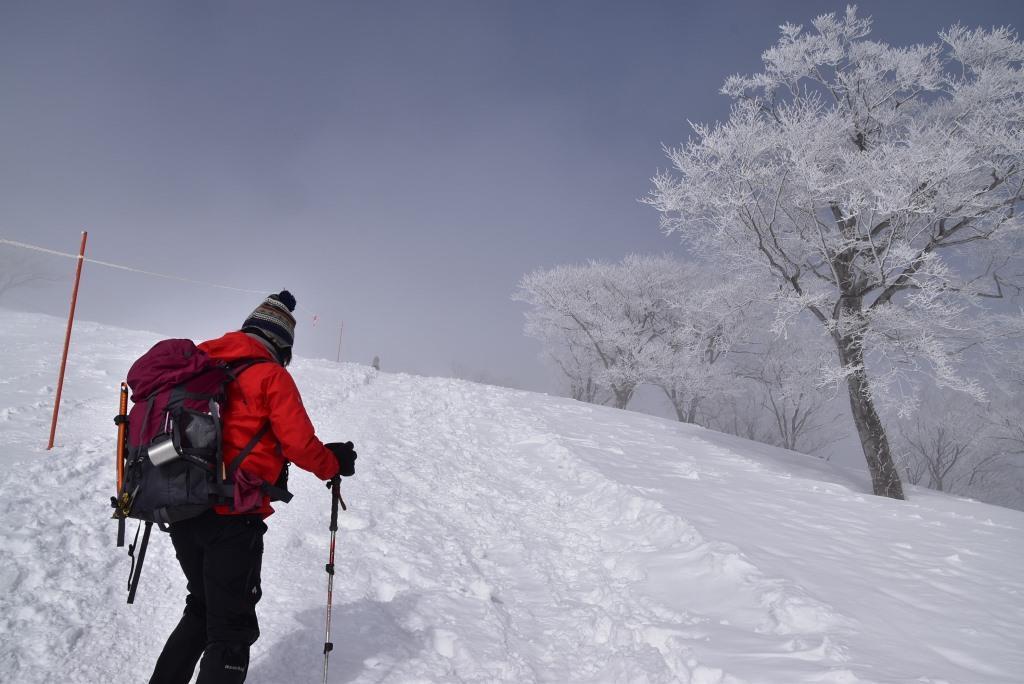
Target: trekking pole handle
335	486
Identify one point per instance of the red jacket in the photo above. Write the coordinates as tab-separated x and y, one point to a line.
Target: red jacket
266	391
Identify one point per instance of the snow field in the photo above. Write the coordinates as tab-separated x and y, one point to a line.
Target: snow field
495	535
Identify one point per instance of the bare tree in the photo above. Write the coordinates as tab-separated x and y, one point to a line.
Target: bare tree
784	378
875	188
943	457
1005	417
738	412
949	447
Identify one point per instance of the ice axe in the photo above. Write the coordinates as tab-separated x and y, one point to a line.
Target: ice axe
334	484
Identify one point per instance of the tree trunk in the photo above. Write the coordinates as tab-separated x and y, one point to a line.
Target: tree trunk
691	415
673	398
885	479
686	412
622	394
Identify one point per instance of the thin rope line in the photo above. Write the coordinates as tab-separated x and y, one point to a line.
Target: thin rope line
37	248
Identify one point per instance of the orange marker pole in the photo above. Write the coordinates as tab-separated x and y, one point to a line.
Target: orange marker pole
121	425
67	340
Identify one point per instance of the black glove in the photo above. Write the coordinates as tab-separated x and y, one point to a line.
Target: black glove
346	455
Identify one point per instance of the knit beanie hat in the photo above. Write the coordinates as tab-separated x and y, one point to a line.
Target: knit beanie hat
274	319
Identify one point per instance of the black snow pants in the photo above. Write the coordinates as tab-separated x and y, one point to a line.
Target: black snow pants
221	557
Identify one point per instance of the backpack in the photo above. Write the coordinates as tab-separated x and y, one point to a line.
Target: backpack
171	464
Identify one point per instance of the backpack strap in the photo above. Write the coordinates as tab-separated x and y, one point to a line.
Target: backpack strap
136	569
225	480
145	422
276	493
227	484
235	368
247	449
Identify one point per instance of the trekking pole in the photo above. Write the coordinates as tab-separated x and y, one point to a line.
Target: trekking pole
335	486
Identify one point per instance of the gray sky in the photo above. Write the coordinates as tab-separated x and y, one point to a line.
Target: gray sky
397	165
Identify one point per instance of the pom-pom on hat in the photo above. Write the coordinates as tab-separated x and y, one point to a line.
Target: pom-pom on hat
274	319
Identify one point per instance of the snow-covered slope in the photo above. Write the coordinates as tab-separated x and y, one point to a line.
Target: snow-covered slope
496	536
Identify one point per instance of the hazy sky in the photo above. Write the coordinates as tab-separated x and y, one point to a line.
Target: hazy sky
397	165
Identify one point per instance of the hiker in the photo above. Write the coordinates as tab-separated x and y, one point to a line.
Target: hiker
221	551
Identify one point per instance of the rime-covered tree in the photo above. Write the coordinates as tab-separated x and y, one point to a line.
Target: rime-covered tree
600	315
573	356
646	319
875	187
693	337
